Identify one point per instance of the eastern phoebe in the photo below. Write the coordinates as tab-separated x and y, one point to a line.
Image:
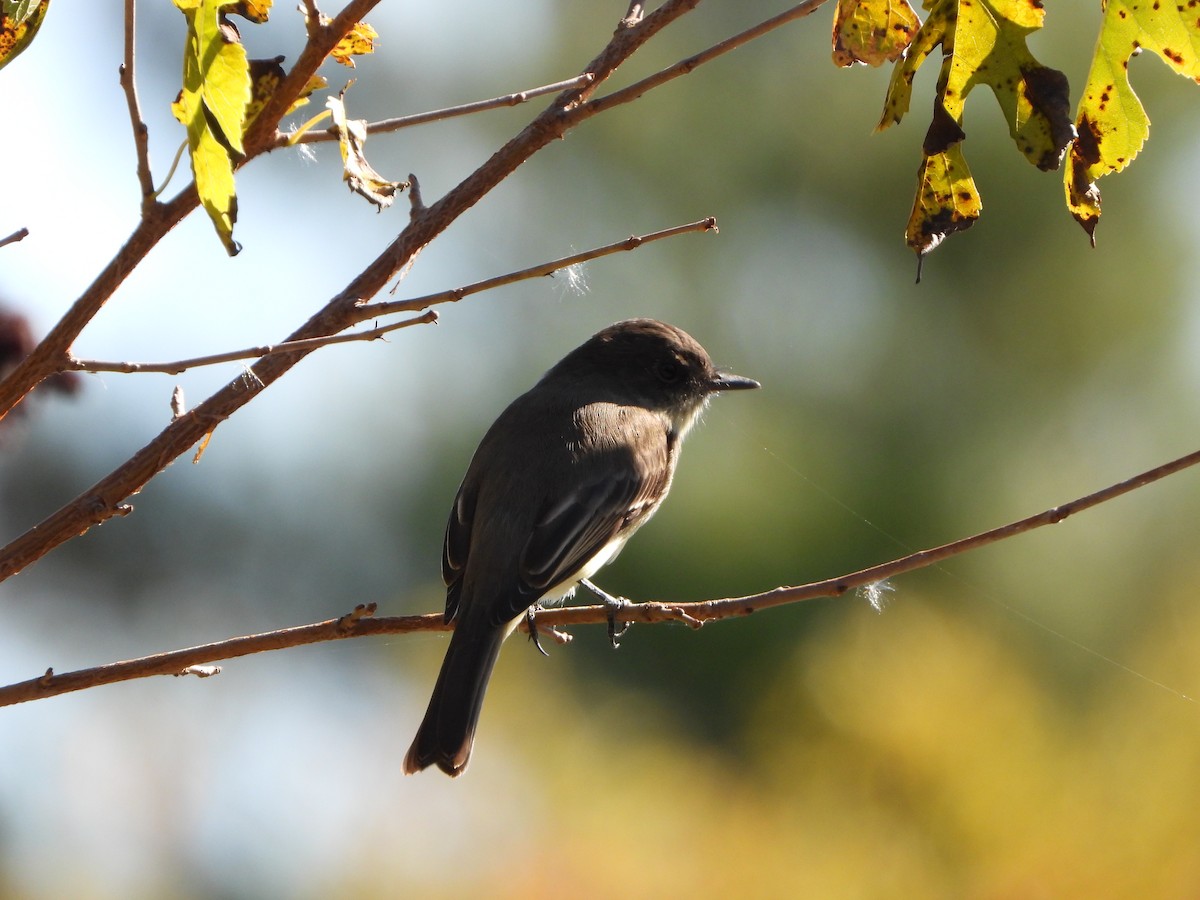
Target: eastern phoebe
558	485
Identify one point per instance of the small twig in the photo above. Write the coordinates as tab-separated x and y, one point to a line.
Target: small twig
415	202
685	66
313	16
632	242
174	368
356	615
387	125
361	622
141	133
19	235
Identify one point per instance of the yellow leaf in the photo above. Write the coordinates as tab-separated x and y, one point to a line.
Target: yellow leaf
984	40
947	200
19	23
938	27
1111	122
257	11
358	42
214	183
212	106
356	171
265	76
315	83
872	31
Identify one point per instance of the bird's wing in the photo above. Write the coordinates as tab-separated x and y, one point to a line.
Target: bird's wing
456	546
576	526
604	493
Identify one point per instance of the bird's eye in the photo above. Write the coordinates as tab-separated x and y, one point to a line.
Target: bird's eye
669	371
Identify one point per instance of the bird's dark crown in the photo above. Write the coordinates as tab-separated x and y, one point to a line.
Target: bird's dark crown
652	362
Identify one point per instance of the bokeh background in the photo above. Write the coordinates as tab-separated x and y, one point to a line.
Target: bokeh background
1019	722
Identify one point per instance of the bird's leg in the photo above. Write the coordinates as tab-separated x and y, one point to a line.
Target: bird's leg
533	629
612	606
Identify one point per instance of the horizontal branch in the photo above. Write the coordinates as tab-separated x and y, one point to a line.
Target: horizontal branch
181	365
633	242
362	622
450	112
177	662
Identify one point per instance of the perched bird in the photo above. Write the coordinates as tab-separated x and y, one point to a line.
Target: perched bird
562	479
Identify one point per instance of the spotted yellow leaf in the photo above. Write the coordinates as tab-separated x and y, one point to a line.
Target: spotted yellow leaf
358	42
19	24
872	31
1111	122
983	42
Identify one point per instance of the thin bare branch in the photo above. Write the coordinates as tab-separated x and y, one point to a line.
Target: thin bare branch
174	368
632	242
685	66
361	622
387	125
19	235
140	131
355	624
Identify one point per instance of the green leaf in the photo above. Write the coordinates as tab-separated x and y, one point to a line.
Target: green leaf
1112	124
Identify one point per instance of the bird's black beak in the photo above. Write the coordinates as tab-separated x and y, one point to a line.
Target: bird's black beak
732	383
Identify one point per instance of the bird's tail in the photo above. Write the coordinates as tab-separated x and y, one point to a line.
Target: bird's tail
448	730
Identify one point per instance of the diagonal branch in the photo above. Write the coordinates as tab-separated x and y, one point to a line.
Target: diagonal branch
362	622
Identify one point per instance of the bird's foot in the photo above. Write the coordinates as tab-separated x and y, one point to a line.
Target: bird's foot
612	606
531	625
